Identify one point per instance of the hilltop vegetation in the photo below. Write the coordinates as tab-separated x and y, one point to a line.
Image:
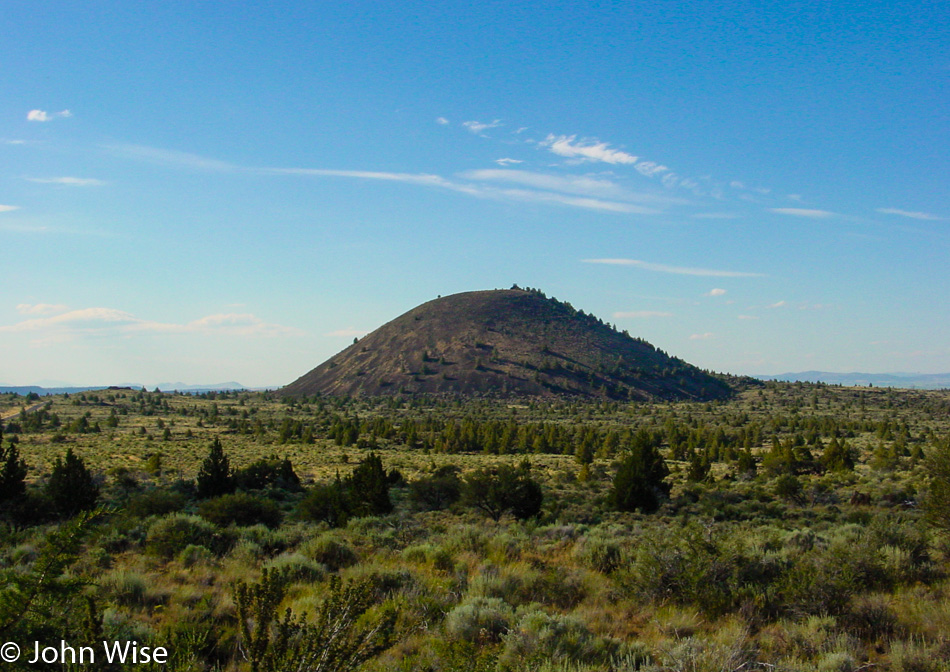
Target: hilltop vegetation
795	527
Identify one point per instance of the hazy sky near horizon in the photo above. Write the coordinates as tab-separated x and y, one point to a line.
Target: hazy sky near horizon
209	192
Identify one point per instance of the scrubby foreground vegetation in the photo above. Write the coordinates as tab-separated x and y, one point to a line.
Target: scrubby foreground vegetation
796	527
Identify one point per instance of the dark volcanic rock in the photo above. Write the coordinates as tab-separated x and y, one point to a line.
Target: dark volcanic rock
505	343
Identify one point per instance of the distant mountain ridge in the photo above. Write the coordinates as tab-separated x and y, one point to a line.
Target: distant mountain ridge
923	381
164	387
506	343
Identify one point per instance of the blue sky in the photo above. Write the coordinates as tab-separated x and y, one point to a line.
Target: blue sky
209	192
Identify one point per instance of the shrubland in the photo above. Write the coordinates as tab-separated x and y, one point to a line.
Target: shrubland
795	527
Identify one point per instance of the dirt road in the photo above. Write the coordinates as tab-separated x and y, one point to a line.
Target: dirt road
6	415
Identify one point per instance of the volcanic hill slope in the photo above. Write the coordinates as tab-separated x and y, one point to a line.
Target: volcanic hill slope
505	343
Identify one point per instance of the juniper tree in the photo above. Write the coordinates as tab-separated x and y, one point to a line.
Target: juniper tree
12	473
214	476
71	486
504	489
369	488
837	456
640	481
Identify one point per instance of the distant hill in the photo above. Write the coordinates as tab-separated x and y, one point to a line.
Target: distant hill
185	387
164	387
24	390
920	381
506	343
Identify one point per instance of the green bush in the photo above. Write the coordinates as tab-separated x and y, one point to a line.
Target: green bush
271	540
818	584
193	554
155	502
127	587
436	492
270	472
168	536
937	501
540	637
504	489
297	567
598	553
240	509
713	573
325	503
329	551
788	486
481	619
439	557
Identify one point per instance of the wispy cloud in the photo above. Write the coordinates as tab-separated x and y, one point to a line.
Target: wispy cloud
99	321
645	314
742	186
481	191
235	324
349	332
479	127
442	121
907	213
21	227
25	228
814	306
716	292
670	180
715	215
68	181
423	179
41	308
569	184
678	270
173	158
85	318
580	192
803	212
702	337
650	168
777	304
583	185
9	208
586	150
748	317
575	201
42	115
507	162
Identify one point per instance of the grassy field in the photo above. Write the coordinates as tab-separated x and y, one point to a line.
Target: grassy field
800	562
